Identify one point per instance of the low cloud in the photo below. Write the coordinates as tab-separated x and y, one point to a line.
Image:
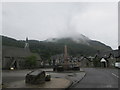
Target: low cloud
41	21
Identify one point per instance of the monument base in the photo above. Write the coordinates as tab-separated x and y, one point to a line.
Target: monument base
64	67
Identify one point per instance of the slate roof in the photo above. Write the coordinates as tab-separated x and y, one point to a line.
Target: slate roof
87	58
17	52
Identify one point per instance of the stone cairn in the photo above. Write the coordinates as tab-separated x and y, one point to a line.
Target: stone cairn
37	77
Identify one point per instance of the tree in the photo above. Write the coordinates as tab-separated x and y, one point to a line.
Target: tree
49	61
30	61
96	62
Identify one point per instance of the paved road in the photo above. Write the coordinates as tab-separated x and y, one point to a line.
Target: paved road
99	78
17	75
11	76
95	78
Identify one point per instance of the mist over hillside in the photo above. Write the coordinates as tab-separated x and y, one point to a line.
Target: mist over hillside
79	38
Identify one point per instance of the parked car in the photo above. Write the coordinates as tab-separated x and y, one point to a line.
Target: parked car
117	64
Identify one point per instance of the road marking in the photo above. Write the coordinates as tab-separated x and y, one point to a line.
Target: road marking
115	75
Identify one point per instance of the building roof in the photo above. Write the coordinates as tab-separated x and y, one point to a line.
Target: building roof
85	58
17	52
102	60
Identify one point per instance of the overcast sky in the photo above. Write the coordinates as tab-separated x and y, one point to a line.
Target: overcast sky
40	21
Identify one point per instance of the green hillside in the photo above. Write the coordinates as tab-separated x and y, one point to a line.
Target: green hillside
47	48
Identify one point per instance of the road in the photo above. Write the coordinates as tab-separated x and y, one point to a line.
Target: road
95	78
99	78
9	76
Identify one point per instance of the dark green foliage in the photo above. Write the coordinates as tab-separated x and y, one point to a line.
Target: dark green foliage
96	62
30	61
100	46
12	42
47	49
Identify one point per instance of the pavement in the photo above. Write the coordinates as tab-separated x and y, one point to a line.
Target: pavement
15	79
99	78
74	77
54	83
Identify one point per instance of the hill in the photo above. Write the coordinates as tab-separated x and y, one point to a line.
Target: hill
80	45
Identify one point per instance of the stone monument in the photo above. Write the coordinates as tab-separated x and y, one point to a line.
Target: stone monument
65	65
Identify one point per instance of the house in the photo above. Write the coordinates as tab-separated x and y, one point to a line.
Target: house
103	62
57	59
108	59
15	57
86	62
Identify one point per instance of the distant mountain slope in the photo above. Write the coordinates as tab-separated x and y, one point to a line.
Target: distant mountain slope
81	40
76	46
11	42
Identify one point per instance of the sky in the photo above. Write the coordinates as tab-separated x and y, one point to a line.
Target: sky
44	20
